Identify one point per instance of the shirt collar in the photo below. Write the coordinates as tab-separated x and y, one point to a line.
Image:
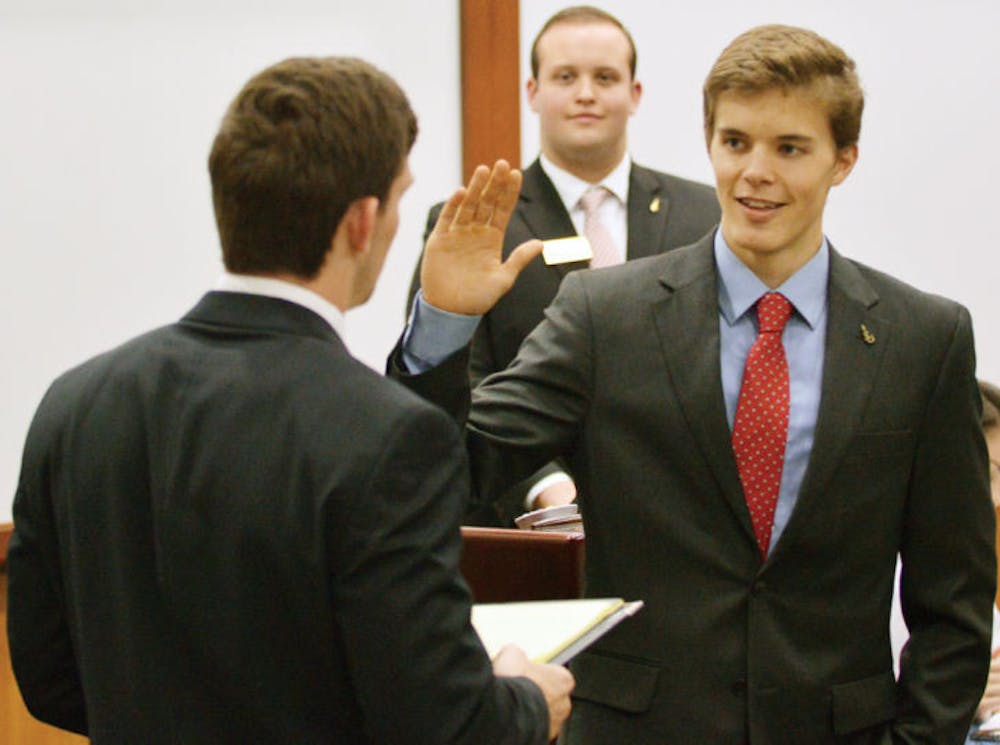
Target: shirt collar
571	188
279	288
740	288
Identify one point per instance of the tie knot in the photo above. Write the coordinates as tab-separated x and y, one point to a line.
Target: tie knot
593	198
773	312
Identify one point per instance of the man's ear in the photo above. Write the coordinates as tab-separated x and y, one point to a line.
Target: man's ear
636	95
846	158
531	88
358	223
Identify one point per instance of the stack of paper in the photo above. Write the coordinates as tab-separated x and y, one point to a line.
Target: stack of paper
549	630
563	518
989	731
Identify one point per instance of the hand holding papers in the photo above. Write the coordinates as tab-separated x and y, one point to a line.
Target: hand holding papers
555	682
549	630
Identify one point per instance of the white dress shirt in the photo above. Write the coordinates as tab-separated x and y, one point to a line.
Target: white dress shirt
613	212
279	288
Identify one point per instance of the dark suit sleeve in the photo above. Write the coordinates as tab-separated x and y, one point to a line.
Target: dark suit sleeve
948	560
528	414
419	669
481	362
41	648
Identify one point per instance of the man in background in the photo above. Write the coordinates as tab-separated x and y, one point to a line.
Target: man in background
758	427
228	530
584	90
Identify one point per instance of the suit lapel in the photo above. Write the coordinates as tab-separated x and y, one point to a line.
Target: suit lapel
542	211
850	365
687	322
647	213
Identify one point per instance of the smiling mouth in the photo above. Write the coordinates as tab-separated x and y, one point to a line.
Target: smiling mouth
759	204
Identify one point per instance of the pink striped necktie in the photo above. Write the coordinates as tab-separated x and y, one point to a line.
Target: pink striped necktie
760	429
606	253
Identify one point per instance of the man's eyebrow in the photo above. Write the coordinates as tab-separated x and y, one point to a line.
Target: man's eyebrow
795	138
736	132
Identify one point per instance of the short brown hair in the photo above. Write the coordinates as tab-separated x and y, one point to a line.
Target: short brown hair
768	57
303	140
583	14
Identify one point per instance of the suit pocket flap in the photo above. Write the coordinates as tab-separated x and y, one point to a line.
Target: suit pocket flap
863	703
623	684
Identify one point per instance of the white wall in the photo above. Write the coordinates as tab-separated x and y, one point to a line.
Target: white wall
920	203
107	118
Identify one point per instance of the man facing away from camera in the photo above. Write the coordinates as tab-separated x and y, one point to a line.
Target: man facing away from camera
228	530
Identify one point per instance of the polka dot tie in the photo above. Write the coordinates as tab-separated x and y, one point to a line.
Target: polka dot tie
601	242
760	429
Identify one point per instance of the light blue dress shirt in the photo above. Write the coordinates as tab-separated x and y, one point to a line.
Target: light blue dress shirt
803	339
433	335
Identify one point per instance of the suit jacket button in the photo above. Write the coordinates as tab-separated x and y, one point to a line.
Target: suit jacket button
739	688
759	587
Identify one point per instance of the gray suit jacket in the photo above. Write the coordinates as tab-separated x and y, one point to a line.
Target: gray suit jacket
664	213
230	531
622	379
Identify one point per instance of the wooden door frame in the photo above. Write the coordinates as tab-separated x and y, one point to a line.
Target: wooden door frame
490	33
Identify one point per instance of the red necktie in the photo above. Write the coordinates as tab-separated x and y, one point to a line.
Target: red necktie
760	429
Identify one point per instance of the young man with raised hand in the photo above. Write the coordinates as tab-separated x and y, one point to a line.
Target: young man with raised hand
757	427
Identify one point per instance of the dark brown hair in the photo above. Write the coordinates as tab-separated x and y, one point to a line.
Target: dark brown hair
785	57
582	14
303	140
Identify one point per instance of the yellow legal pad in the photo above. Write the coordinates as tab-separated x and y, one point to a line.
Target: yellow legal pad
549	630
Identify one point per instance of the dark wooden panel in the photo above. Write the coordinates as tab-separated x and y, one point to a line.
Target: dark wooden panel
503	565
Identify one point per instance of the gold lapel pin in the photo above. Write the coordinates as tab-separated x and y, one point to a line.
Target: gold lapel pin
654	206
867	336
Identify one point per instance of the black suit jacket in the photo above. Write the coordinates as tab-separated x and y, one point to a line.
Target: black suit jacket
230	531
622	379
664	212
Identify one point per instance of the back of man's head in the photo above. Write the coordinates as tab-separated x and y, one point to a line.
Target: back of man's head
582	14
303	140
785	57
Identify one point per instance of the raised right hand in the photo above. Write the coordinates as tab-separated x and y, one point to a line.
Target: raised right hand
463	269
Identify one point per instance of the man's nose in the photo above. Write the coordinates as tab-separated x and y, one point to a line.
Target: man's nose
759	166
585	89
